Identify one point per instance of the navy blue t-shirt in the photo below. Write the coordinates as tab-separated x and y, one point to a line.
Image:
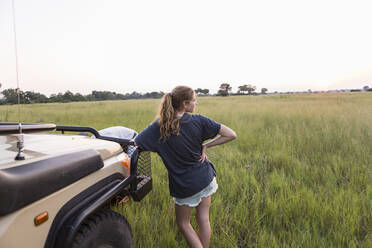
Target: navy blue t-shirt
181	153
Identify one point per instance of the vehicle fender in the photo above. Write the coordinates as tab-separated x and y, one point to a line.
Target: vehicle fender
74	208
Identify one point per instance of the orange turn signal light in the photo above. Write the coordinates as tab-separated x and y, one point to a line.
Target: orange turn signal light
41	218
126	163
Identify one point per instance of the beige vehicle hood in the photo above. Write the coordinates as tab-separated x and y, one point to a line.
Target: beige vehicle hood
39	146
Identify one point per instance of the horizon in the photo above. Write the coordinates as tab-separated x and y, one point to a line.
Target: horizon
211	93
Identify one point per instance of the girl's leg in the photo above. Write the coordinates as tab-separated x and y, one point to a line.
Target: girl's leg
183	222
202	217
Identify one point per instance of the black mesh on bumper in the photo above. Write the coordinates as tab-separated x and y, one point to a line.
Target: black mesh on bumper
143	184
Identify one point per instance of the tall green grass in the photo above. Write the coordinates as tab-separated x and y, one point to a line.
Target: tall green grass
299	174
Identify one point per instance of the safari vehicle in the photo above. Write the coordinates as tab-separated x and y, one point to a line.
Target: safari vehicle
56	189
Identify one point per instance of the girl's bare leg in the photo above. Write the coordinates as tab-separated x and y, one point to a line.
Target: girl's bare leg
202	217
183	222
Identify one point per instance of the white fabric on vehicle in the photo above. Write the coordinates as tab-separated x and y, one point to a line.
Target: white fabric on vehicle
118	132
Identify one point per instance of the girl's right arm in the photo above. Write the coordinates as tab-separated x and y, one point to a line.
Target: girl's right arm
226	135
148	139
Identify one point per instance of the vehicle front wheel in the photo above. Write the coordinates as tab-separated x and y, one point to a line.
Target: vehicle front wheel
104	229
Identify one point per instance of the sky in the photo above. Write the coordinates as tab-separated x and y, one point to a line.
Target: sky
144	46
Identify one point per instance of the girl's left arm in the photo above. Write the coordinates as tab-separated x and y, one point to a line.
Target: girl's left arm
226	135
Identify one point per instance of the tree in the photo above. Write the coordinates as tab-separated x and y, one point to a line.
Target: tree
250	88
365	88
224	89
134	95
68	96
103	95
55	97
242	89
77	97
205	91
153	94
263	90
199	91
11	96
247	88
34	97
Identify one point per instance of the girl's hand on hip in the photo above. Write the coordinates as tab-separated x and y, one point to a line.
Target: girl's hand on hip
204	156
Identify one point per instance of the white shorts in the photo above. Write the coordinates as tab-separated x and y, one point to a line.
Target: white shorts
194	200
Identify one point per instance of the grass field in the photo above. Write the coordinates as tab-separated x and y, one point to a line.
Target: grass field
298	175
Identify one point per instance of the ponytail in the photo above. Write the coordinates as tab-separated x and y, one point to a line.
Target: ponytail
170	103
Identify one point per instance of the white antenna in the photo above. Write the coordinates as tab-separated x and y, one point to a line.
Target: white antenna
20	145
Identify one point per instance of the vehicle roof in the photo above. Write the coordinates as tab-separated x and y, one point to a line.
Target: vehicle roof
42	145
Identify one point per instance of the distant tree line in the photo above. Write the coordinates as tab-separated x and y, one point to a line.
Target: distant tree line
10	96
246	89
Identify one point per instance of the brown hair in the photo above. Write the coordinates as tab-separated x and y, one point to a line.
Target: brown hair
171	102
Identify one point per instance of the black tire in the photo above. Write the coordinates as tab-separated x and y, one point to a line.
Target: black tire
104	229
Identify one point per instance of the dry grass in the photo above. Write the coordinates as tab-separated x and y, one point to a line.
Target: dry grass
299	174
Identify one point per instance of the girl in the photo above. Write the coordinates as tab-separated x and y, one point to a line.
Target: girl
178	137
